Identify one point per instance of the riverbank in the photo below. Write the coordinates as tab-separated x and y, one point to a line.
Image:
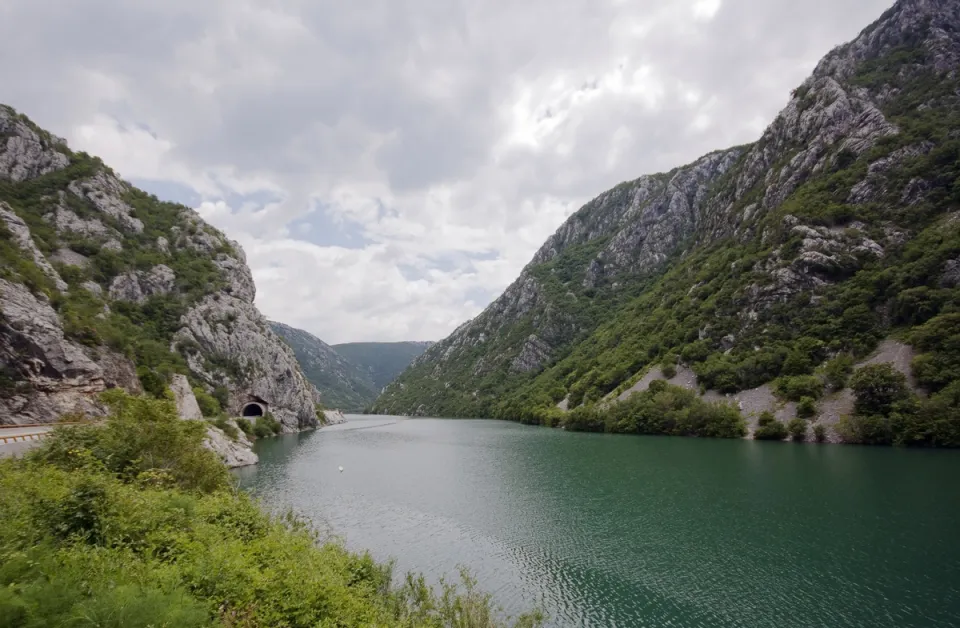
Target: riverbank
134	523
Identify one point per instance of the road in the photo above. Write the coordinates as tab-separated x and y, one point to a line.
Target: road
16	440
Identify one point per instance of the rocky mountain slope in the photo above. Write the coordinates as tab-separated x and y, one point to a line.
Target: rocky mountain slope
382	361
342	384
104	286
752	266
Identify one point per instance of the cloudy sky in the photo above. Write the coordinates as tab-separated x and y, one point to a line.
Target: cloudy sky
389	166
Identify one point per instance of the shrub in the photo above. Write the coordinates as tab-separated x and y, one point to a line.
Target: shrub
244	425
222	395
668	366
837	371
261	430
819	433
227	427
209	406
798	429
271	423
806	407
140	436
877	388
796	387
769	428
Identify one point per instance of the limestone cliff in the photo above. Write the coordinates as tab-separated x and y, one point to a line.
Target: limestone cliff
102	285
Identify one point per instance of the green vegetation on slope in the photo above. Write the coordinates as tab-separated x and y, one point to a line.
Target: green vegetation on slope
382	361
134	524
342	384
698	308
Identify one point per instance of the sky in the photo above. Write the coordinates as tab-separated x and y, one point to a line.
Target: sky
389	166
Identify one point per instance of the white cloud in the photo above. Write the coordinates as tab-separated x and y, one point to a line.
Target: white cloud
390	167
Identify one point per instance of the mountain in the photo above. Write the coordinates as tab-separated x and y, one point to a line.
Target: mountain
104	286
753	271
383	361
342	384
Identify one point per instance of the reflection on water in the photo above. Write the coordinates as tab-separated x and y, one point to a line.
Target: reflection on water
647	531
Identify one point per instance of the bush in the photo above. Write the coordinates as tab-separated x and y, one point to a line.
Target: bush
819	433
244	425
798	430
271	423
837	371
141	437
806	407
222	395
769	428
877	388
668	366
209	406
261	430
227	427
797	387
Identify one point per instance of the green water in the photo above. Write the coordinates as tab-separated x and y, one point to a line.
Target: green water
639	531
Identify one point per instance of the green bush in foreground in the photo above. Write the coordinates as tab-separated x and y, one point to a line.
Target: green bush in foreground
798	429
135	532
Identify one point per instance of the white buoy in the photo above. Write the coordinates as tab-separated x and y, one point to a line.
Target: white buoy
341	469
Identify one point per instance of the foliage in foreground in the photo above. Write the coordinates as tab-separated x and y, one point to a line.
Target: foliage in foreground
146	530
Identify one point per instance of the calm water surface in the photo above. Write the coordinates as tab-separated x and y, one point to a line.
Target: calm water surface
612	531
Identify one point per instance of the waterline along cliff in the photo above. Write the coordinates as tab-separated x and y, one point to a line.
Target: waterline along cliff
762	275
103	286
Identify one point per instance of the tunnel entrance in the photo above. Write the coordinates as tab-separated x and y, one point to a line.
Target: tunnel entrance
253	409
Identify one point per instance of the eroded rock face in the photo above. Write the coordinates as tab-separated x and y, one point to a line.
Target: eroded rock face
232	453
21	235
53	375
106	192
139	286
232	330
187	406
25	152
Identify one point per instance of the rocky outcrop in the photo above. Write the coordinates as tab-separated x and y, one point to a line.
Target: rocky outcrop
233	331
25	151
49	366
334	417
21	235
105	192
233	453
48	375
139	286
183	397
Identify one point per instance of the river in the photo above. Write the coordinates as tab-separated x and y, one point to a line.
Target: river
612	530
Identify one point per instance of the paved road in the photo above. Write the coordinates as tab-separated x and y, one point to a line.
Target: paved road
13	443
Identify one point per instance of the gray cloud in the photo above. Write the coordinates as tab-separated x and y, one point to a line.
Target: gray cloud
435	128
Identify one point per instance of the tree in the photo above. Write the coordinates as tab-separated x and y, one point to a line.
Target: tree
877	388
798	430
769	428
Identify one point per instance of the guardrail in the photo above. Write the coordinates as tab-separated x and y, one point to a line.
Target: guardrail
17	438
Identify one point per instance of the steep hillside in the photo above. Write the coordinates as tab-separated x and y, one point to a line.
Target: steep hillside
762	263
103	286
382	361
342	384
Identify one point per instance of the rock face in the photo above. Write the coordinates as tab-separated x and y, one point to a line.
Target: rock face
47	375
841	182
26	151
234	330
187	406
232	453
145	279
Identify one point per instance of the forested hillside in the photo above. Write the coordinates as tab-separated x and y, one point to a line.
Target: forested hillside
774	267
